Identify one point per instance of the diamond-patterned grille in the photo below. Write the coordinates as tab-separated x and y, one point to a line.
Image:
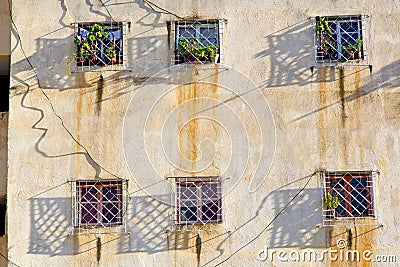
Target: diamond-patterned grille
353	192
197	42
198	202
340	40
99	45
99	203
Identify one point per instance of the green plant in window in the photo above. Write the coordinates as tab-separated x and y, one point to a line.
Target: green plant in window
323	26
194	48
211	52
111	53
330	201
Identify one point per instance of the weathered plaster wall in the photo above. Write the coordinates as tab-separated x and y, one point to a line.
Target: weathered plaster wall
324	120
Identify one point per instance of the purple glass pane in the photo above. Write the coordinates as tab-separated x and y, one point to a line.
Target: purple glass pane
89	194
210	190
111	213
211	211
88	213
110	193
188	191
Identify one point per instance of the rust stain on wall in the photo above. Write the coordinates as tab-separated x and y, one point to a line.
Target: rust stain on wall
358	238
79	105
343	116
99	94
356	121
322	116
194	130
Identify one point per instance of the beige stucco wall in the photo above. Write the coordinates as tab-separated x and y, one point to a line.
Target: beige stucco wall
325	119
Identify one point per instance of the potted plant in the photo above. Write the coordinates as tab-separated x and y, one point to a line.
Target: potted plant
327	44
88	45
212	53
112	55
353	51
192	51
331	202
83	52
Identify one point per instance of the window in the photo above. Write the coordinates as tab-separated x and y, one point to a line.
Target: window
198	202
197	42
5	87
99	203
98	45
353	192
340	39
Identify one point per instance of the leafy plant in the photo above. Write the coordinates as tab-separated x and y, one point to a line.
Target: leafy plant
195	48
91	37
111	53
323	26
330	201
356	47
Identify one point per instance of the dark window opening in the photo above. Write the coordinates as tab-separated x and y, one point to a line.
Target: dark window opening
3	209
5	87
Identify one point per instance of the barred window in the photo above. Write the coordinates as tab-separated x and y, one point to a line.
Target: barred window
197	42
198	202
98	45
352	195
340	39
99	203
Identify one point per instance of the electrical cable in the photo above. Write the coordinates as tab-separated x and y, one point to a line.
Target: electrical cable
164	11
266	227
109	14
51	104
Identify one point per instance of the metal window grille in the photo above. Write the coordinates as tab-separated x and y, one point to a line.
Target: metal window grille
354	192
197	41
340	40
99	204
100	46
198	204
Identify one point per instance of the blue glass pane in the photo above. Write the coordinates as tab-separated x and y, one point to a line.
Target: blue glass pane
349	26
333	26
358	182
340	211
337	183
359	201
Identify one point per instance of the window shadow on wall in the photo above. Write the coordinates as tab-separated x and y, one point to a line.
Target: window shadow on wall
290	55
50	224
147	221
388	77
300	224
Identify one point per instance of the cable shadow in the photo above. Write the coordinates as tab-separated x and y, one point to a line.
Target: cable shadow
290	54
281	199
387	77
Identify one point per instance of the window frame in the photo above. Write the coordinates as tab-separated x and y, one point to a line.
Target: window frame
332	48
100	202
177	59
351	194
200	202
107	56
